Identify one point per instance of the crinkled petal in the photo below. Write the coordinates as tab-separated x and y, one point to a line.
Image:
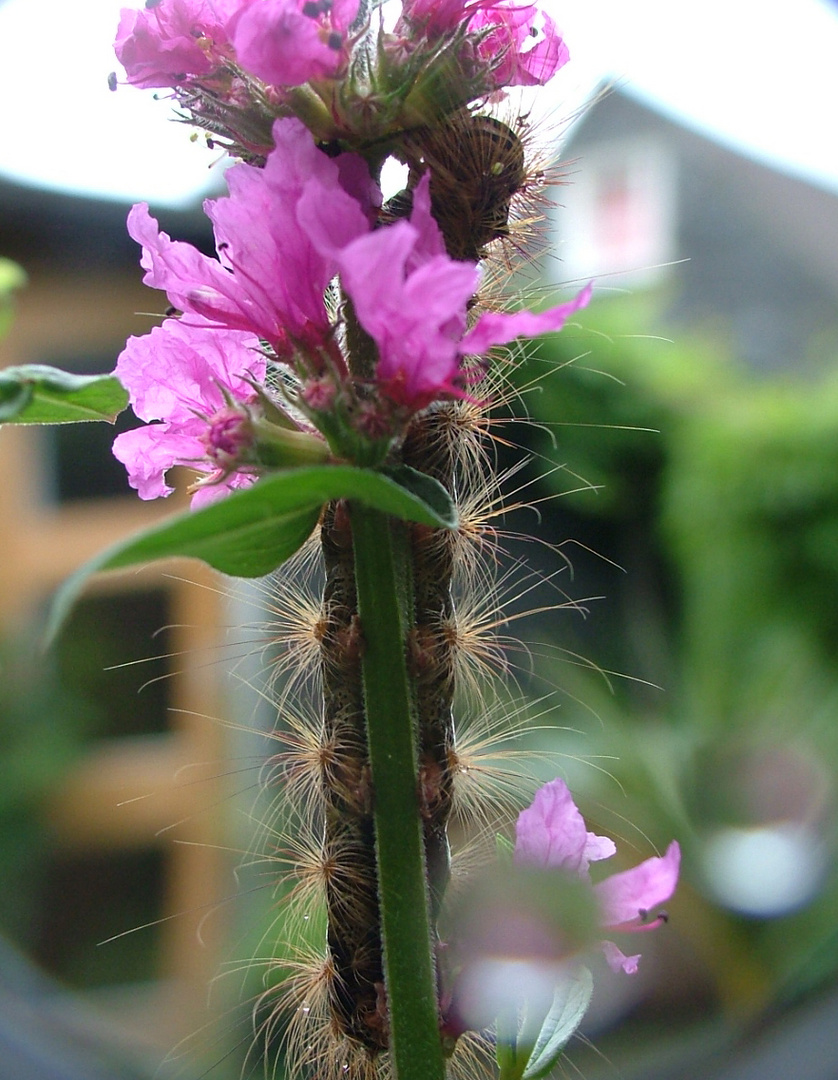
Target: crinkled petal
210	493
192	281
627	898
522	42
416	319
148	452
278	42
435	16
179	370
551	833
167	43
496	328
270	278
429	241
411	298
267	238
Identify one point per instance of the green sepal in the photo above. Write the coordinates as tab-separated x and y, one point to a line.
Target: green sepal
37	394
251	532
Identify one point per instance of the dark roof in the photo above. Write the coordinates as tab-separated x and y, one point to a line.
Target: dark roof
78	233
761	245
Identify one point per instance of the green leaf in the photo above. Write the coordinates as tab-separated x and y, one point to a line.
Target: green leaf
251	532
36	394
570	1003
424	488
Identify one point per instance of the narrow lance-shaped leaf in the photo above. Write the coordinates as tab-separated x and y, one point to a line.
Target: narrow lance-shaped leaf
37	394
570	1003
253	531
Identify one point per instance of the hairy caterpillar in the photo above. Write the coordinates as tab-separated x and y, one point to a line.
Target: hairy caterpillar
337	1003
335	999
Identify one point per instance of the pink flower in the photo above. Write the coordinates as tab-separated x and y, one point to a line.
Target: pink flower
518	41
435	17
499	328
195	380
168	42
522	43
269	279
289	42
412	299
552	833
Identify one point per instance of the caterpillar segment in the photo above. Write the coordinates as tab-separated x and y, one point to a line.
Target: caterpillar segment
354	924
337	1001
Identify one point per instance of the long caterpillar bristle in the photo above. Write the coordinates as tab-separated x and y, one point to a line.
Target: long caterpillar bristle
296	770
295	628
493	768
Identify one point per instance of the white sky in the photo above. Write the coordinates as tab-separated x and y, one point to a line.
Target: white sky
760	75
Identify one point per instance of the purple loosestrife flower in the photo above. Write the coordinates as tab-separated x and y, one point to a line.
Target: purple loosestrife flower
192	385
269	279
519	42
552	833
412	299
282	235
523	44
172	41
289	42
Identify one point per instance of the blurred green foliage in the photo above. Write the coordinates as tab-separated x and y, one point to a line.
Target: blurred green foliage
12	277
42	727
715	489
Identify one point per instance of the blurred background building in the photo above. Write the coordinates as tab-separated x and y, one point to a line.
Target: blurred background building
112	784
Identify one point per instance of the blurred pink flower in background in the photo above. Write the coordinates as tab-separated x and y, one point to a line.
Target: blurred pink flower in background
551	833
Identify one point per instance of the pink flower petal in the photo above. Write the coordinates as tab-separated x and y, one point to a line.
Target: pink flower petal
149	452
411	298
496	328
617	959
216	491
167	43
271	277
178	370
279	42
522	42
181	374
551	833
627	899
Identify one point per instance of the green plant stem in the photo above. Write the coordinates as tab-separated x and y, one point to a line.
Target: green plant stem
382	576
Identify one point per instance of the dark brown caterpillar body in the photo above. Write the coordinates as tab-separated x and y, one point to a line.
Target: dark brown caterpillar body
477	166
354	929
